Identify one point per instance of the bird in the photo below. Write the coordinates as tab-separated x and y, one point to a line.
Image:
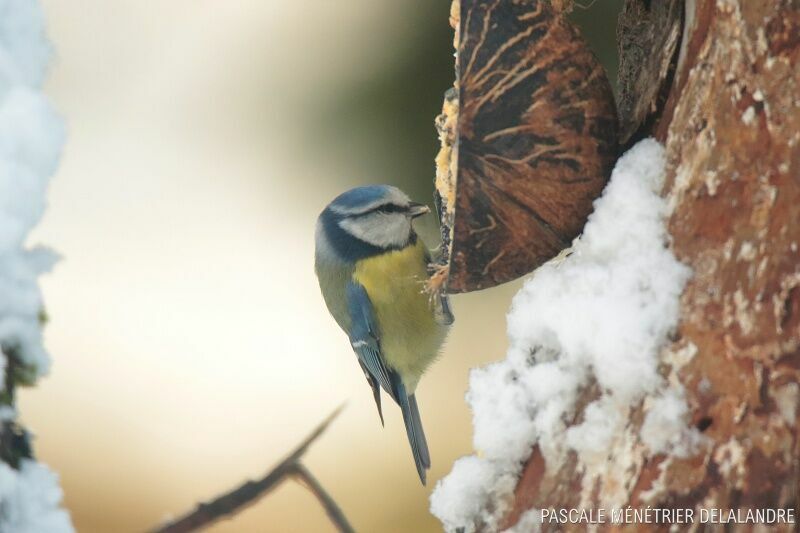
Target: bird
372	269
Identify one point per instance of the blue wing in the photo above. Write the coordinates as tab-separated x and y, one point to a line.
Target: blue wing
364	336
365	340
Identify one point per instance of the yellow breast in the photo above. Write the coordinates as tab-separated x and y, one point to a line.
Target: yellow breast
410	337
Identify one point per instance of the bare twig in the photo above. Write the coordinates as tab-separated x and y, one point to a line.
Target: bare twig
334	512
233	501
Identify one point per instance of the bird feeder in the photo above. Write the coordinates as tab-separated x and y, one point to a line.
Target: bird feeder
528	139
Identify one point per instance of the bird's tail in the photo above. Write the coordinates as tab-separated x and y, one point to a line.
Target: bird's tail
416	436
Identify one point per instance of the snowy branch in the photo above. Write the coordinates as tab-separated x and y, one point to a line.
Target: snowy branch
31	136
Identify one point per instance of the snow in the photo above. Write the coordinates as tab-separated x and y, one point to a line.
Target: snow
598	315
664	423
24	48
529	522
472	478
31	136
7	413
29	499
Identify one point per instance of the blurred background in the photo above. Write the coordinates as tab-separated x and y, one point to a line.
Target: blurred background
191	347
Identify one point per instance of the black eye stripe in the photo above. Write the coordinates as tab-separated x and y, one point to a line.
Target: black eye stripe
392	208
385	208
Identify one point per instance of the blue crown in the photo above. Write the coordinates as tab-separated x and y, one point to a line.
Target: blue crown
361	195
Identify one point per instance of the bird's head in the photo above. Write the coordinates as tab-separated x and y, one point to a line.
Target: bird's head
375	216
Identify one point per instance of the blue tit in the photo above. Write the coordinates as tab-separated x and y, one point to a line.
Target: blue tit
373	270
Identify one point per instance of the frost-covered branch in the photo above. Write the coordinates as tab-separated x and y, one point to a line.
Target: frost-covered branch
31	136
235	500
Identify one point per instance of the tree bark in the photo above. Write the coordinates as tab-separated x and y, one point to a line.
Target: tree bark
718	82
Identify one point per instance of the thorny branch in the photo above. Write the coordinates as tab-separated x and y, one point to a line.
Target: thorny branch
235	500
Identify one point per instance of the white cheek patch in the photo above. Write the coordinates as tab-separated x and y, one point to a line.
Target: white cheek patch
379	229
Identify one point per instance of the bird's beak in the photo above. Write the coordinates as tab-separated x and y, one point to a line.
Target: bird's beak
415	209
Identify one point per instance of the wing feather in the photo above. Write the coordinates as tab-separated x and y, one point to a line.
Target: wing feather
364	335
365	340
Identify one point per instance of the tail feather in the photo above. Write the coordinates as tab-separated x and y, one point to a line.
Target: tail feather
416	436
424	454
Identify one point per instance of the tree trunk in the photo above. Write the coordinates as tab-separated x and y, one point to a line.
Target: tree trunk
718	82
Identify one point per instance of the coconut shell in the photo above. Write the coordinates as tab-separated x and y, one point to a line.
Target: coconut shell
528	146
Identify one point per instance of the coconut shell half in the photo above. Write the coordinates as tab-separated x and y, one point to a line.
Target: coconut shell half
529	137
